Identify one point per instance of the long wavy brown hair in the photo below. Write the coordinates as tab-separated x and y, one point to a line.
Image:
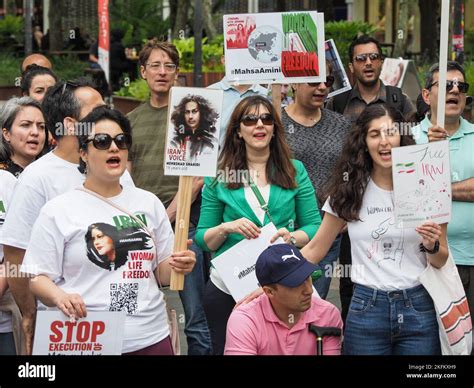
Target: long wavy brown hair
280	170
347	186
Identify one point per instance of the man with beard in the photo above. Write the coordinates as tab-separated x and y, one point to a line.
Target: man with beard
365	64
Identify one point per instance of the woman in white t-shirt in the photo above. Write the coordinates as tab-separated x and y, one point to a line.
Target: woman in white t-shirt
117	272
390	311
22	140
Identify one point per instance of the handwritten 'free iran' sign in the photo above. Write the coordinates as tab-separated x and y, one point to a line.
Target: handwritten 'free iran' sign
422	184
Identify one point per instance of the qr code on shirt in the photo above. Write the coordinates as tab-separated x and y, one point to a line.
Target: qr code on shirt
123	297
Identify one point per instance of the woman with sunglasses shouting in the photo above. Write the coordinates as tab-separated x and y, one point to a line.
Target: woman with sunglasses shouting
77	233
255	173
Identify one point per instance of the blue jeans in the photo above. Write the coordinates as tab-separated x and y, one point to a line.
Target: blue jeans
401	322
196	329
327	266
7	344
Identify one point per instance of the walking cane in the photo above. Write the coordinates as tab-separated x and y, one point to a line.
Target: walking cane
321	332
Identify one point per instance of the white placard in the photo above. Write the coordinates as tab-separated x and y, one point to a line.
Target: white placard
100	333
393	71
192	144
236	266
341	81
422	184
275	47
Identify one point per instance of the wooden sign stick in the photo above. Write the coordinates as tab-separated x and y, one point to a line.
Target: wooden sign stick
443	62
182	226
276	98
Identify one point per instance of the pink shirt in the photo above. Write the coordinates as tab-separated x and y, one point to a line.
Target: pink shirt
254	329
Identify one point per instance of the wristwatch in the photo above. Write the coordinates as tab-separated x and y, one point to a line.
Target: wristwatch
292	240
430	251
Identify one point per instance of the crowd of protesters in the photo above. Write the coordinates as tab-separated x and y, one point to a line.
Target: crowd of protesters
318	165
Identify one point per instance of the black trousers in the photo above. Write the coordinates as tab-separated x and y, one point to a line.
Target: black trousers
345	285
218	306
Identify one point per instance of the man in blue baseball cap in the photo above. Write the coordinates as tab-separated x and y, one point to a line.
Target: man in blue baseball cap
276	323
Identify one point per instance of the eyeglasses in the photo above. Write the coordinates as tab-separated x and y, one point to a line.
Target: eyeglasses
463	87
66	84
102	141
168	67
329	82
249	120
371	56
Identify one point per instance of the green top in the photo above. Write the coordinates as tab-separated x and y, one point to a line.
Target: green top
147	152
461	227
292	209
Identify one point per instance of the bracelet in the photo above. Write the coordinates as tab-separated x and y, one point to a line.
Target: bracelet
430	251
223	234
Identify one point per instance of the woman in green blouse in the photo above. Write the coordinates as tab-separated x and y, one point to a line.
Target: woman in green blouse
255	150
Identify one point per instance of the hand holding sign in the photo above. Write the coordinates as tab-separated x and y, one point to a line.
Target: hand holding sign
436	133
71	305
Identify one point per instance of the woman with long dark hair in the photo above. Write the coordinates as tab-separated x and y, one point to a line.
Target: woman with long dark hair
110	245
254	152
390	311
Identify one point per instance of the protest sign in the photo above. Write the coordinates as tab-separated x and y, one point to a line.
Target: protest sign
193	131
275	47
341	81
236	266
100	333
421	184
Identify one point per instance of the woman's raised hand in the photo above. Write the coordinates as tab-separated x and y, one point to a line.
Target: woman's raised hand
242	226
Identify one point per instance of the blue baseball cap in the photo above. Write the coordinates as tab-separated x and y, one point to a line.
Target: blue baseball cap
283	264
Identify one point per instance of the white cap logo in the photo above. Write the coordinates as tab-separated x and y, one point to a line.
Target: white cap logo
286	257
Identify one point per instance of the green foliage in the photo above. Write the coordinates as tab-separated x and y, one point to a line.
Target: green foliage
211	54
66	68
9	69
139	20
343	32
11	30
469	44
137	89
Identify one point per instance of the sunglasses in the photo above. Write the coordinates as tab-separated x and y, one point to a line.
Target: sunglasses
463	87
249	120
102	141
371	56
65	86
329	82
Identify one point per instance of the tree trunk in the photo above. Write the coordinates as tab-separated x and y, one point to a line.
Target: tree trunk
207	19
429	30
327	7
55	33
401	35
181	19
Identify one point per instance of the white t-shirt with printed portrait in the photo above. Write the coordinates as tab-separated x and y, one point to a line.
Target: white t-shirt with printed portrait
384	257
7	184
61	248
40	182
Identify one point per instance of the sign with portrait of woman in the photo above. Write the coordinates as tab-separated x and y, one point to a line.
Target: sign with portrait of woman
193	131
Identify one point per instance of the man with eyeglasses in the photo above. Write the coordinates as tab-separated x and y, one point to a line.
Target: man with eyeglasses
365	64
53	174
460	134
316	137
159	66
